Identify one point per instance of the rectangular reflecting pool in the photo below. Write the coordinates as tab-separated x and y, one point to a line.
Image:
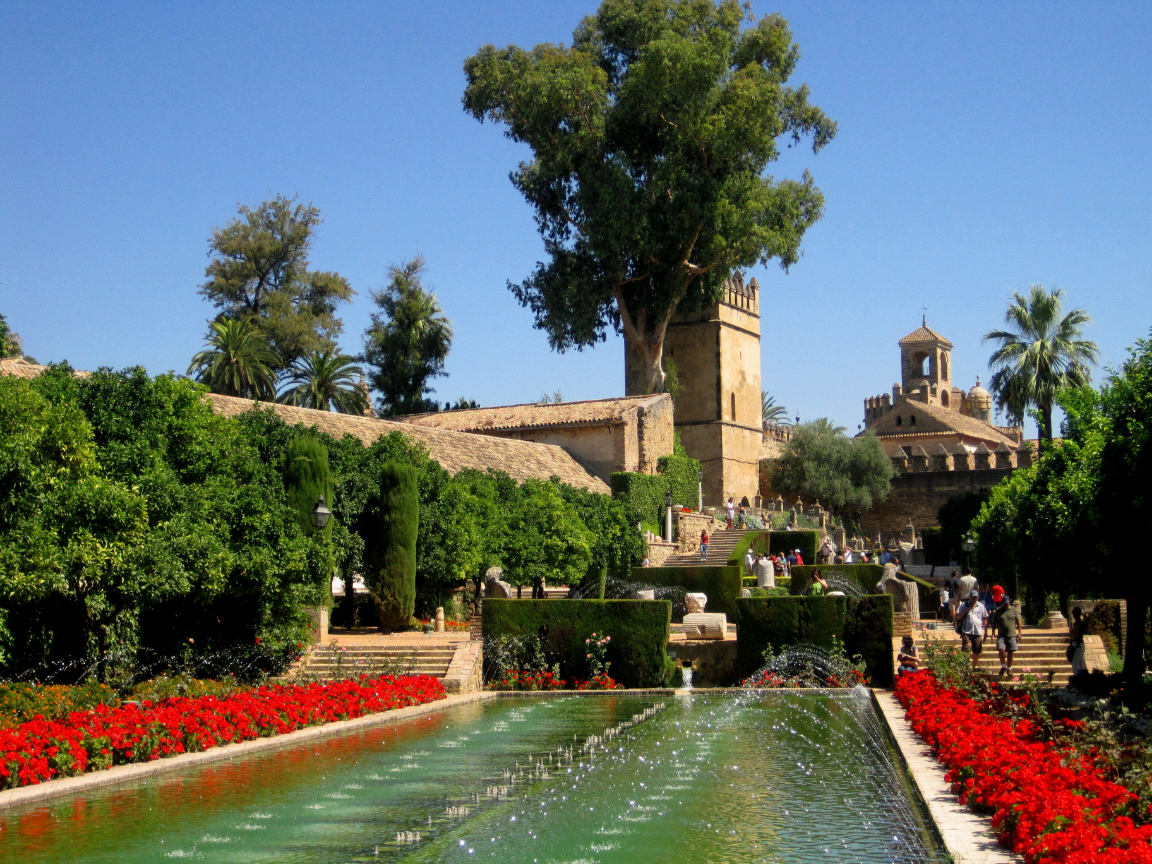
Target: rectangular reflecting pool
758	777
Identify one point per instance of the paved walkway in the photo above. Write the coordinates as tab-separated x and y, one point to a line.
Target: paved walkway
967	836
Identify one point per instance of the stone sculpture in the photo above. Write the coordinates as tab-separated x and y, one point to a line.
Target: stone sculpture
699	624
695	601
905	595
496	587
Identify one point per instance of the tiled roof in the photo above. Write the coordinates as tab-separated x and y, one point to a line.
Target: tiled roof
953	420
453	450
536	416
924	333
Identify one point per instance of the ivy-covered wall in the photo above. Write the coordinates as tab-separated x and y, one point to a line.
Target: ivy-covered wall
864	624
645	492
639	631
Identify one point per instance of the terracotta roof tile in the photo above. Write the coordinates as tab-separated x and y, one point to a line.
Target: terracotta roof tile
453	450
953	420
534	415
924	333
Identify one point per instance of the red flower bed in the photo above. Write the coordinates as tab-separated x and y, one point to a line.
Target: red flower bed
603	681
525	679
42	750
1048	803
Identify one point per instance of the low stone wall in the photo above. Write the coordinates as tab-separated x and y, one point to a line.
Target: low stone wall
660	551
688	528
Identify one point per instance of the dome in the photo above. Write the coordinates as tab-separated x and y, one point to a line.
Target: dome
979	392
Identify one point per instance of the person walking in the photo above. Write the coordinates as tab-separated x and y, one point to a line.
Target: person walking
1076	641
945	611
952	586
973	622
704	545
1007	624
967	583
730	513
750	562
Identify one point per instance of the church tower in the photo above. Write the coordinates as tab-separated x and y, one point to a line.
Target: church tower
925	367
716	355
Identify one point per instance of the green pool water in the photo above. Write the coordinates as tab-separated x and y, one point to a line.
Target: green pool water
771	777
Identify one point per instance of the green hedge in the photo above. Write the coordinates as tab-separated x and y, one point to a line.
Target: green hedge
935	547
757	541
721	584
864	624
785	541
868	576
639	631
645	492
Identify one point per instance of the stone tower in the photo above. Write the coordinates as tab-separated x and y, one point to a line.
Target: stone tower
925	367
718	414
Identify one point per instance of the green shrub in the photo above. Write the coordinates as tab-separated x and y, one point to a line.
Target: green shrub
389	527
639	631
785	541
757	541
864	624
865	575
1104	621
721	584
307	478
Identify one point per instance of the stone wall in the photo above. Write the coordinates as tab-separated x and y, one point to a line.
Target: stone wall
659	550
688	527
917	497
598	449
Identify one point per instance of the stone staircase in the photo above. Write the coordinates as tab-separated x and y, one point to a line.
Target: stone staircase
327	662
720	546
1041	651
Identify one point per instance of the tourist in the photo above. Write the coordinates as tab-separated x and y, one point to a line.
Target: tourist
741	516
839	556
886	558
646	562
750	562
825	556
730	513
791	559
1006	621
908	660
704	545
799	559
944	613
765	572
1076	642
849	558
973	622
952	586
816	585
967	583
989	597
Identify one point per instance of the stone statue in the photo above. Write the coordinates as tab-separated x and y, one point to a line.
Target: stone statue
695	602
496	587
905	595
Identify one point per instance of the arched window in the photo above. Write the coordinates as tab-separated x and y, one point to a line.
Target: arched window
899	420
944	366
912	422
944	398
733	407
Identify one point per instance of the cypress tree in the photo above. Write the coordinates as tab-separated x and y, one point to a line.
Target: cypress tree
306	478
389	529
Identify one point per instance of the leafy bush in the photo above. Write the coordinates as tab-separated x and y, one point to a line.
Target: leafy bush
644	493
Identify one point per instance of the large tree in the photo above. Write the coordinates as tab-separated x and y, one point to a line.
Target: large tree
237	361
650	138
259	272
10	345
845	474
326	381
407	343
1043	354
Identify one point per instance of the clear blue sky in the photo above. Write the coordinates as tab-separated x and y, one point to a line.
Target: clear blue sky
982	147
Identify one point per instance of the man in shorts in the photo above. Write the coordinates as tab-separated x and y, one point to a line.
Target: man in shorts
1007	623
973	619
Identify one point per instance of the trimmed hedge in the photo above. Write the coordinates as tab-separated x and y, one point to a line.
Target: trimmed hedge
865	575
785	541
864	624
757	541
721	584
645	492
639	631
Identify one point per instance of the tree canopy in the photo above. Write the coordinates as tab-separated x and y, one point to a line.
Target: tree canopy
326	381
1042	355
407	343
650	136
1071	522
237	362
259	272
845	474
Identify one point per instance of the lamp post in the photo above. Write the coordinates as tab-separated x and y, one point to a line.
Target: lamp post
320	514
969	544
700	488
668	515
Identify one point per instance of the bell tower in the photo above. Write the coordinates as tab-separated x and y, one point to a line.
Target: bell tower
926	366
716	355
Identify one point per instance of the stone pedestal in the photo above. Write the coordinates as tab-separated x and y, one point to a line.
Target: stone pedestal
318	618
1054	621
439	628
705	625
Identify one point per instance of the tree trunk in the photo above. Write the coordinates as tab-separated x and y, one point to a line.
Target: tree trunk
1134	663
649	352
1046	422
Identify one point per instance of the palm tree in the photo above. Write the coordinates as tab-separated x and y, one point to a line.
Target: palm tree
1042	356
772	412
326	381
238	361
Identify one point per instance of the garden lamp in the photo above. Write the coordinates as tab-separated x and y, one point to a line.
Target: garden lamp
320	514
969	543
